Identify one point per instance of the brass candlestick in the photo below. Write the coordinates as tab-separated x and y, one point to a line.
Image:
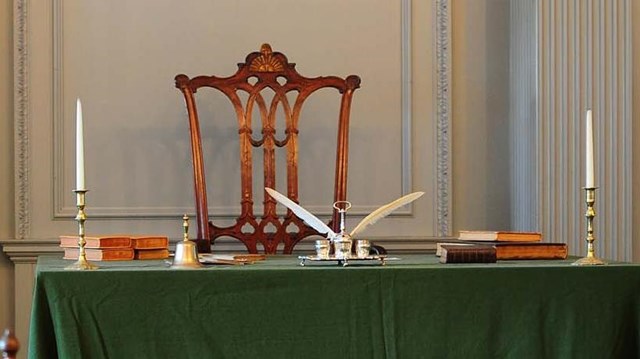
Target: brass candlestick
82	263
591	258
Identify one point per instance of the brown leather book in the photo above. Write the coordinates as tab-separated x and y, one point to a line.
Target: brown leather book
468	254
151	253
101	241
101	254
149	242
518	250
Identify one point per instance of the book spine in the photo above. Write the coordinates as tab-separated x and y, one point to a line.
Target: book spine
150	243
151	253
96	243
506	254
468	255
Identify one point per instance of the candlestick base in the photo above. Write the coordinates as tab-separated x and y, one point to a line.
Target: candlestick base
81	265
589	261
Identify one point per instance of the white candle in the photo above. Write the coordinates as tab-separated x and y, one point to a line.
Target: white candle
589	144
79	148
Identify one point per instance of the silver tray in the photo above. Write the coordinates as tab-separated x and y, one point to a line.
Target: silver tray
369	260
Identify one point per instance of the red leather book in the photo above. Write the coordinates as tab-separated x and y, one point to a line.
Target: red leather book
101	254
100	241
151	253
149	242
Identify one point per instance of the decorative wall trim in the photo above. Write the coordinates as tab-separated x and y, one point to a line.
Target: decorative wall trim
227	212
443	125
585	62
21	114
97	212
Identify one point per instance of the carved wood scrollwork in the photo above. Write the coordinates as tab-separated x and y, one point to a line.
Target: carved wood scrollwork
265	71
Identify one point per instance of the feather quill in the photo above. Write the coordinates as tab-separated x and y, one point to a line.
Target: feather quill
302	213
384	211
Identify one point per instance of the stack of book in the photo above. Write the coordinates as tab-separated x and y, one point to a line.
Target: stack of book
508	245
116	247
150	247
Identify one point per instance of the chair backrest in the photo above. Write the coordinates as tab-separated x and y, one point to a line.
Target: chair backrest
9	344
265	70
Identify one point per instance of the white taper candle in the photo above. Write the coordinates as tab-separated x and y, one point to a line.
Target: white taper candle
590	183
79	148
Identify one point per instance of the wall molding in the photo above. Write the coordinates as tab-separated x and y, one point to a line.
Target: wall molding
21	115
68	210
443	116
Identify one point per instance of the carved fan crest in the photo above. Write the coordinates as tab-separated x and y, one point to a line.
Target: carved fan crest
266	62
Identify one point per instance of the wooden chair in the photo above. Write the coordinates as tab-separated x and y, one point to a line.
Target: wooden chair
265	70
9	345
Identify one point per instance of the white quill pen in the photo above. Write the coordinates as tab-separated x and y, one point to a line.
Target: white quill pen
302	213
384	211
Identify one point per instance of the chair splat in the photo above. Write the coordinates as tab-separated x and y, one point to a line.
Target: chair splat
265	72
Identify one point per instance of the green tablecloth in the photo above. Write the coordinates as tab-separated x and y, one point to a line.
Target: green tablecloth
410	308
